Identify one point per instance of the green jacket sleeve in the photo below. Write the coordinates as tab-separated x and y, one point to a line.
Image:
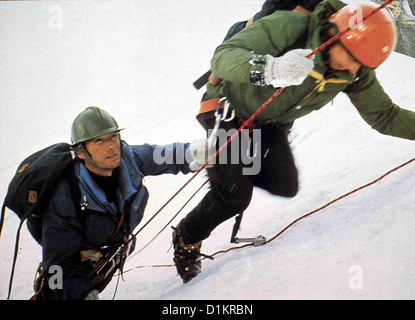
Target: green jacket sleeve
245	52
378	110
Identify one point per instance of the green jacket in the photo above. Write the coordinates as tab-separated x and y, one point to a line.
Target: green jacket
236	58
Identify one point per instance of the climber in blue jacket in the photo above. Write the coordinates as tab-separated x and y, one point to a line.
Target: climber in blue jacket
79	232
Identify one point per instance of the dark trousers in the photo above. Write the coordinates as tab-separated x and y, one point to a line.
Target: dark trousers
231	189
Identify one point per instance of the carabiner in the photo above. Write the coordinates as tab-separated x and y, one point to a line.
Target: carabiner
218	107
225	110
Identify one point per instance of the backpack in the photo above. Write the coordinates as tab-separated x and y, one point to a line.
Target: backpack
32	186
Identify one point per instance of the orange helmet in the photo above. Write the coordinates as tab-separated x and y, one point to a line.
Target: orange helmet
371	41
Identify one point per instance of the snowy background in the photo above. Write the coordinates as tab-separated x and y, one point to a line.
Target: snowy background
138	60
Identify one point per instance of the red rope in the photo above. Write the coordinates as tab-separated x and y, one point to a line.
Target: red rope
340	34
298	219
249	121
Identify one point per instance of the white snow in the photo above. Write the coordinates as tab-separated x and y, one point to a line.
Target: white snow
137	60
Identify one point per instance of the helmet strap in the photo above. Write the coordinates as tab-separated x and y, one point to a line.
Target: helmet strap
328	30
89	158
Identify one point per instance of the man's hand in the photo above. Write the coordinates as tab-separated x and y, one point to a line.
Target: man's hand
201	151
288	70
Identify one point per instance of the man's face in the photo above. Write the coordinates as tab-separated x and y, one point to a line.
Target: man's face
340	59
105	150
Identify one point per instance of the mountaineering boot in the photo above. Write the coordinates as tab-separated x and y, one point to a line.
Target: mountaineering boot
187	257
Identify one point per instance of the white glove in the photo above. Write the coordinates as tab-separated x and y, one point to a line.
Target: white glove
201	150
288	70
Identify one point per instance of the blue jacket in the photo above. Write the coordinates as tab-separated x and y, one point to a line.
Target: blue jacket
65	234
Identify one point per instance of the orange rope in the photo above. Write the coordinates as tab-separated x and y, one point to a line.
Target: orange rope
247	123
296	220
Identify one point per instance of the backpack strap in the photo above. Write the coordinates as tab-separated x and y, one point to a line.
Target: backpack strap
75	191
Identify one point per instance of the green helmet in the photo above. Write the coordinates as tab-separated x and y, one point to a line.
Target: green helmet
91	123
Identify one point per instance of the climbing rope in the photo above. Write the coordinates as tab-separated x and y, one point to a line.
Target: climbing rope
248	123
294	221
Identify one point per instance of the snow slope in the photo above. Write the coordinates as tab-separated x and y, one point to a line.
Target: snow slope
137	60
